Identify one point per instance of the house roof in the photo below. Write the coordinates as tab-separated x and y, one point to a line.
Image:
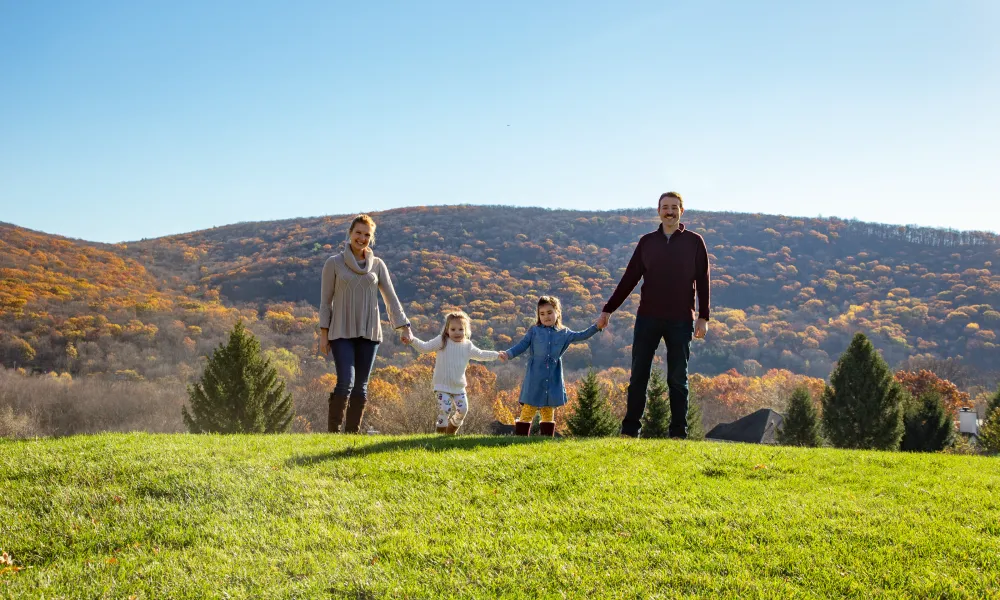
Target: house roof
759	427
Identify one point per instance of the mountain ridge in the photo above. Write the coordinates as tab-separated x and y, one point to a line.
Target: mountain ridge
787	291
638	209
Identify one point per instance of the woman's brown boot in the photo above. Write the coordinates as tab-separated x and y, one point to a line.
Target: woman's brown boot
338	404
548	429
522	427
355	410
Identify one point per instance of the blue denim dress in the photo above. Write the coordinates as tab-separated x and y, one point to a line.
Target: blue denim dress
543	377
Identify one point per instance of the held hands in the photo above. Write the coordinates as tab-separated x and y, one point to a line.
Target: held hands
407	336
503	357
603	320
700	328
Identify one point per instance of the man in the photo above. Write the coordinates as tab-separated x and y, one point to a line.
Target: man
673	264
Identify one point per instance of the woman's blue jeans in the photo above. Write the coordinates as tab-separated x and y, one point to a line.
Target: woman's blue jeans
353	359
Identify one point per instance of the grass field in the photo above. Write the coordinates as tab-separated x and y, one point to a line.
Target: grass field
317	516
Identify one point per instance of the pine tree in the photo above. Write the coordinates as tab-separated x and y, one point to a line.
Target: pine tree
696	429
592	417
927	425
989	433
994	404
862	407
656	419
800	427
239	392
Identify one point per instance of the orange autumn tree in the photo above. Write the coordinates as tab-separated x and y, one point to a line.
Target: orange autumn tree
730	395
400	400
482	382
918	383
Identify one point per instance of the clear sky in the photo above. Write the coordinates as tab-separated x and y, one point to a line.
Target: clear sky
124	120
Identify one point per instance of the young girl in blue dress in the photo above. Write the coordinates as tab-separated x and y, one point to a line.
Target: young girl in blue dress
543	388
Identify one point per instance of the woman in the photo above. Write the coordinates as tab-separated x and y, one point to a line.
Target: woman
350	324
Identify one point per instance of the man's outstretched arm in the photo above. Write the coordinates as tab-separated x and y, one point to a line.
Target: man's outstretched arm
633	273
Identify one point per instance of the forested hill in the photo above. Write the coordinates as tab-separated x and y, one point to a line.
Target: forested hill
787	292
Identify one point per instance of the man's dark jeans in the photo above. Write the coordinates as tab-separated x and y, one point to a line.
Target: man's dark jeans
648	333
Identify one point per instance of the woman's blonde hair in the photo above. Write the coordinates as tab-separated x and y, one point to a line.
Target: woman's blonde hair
554	303
370	222
456	315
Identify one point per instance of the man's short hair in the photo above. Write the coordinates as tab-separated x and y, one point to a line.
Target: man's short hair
680	200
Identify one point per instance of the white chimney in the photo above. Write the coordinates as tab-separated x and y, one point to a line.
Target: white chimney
968	421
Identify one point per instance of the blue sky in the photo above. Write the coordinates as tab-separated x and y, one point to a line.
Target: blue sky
124	120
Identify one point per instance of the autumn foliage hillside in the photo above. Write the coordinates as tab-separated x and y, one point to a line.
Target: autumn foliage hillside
787	292
80	307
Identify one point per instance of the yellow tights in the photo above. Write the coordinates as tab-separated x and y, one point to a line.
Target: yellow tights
528	413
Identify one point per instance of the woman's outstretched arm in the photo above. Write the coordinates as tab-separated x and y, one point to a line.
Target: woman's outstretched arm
397	317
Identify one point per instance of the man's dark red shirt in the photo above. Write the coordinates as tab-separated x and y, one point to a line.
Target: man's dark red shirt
672	269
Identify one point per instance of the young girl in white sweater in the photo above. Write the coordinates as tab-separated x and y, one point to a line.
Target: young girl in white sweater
454	351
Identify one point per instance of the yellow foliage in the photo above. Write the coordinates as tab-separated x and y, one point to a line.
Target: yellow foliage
383	391
285	361
280	321
500	411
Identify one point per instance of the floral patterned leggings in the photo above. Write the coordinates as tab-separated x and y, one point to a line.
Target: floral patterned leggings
452	408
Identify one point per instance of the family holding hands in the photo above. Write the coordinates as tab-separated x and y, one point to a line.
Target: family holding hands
671	261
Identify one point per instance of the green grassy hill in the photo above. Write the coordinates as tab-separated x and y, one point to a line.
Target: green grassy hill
183	516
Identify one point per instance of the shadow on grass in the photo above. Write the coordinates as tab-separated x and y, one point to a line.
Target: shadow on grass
429	444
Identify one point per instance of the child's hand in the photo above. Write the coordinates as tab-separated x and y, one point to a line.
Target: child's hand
503	357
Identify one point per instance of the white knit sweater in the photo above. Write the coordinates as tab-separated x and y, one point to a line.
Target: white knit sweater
451	362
